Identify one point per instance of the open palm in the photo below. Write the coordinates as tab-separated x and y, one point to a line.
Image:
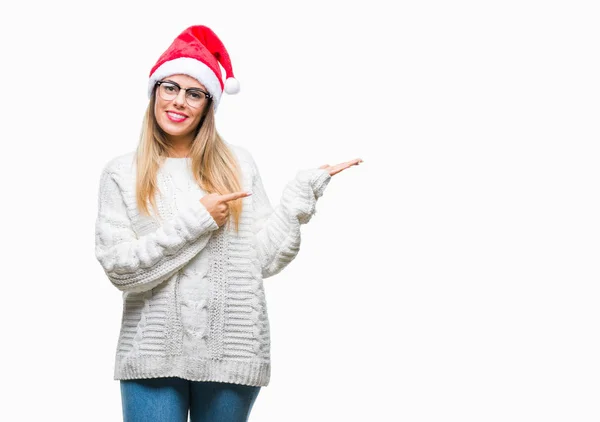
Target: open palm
342	166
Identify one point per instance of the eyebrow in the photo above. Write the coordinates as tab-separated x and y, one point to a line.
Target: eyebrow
187	89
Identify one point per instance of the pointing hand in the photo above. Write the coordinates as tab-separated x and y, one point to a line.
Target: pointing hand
217	206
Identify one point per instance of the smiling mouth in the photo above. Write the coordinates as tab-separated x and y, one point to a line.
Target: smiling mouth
176	117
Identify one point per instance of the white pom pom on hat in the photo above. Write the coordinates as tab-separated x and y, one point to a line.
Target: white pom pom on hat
197	52
232	86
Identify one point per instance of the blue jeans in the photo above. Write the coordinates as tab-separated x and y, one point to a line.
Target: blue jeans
169	399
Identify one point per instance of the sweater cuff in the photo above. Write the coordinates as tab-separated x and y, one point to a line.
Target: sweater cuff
199	219
320	181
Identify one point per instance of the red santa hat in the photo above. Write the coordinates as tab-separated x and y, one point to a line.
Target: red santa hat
197	52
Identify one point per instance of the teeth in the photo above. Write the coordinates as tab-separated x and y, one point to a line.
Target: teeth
175	115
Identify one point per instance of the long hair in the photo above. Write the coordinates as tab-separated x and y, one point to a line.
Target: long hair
214	166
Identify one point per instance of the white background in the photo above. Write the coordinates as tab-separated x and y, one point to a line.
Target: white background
453	276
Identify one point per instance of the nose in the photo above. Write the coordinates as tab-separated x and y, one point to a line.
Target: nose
179	100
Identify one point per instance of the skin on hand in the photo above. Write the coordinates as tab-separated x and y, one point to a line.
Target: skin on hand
342	166
217	206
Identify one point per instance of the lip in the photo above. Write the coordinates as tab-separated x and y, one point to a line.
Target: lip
175	116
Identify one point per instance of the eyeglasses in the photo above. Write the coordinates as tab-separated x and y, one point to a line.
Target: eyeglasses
169	90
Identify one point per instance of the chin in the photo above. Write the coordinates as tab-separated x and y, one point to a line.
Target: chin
177	134
169	129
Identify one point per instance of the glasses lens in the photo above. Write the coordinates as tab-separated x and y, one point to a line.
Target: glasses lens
194	98
168	91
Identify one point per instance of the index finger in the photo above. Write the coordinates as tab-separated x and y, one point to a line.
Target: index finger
235	195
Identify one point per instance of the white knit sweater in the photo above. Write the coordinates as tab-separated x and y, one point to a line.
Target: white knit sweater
193	299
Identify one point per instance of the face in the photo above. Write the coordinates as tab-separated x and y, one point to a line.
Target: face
176	117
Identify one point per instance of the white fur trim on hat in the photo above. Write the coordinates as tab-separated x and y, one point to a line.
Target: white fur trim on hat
191	67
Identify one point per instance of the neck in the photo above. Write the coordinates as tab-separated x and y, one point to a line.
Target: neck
179	146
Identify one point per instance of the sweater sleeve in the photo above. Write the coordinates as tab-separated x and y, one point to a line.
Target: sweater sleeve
277	230
139	263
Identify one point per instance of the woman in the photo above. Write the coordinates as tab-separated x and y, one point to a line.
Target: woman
186	231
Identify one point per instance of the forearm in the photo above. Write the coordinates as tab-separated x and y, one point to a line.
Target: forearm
138	263
278	235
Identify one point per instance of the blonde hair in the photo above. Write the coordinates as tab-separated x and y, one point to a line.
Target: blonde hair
213	164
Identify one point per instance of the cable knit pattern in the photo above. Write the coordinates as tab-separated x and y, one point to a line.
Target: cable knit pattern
278	230
135	263
194	304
